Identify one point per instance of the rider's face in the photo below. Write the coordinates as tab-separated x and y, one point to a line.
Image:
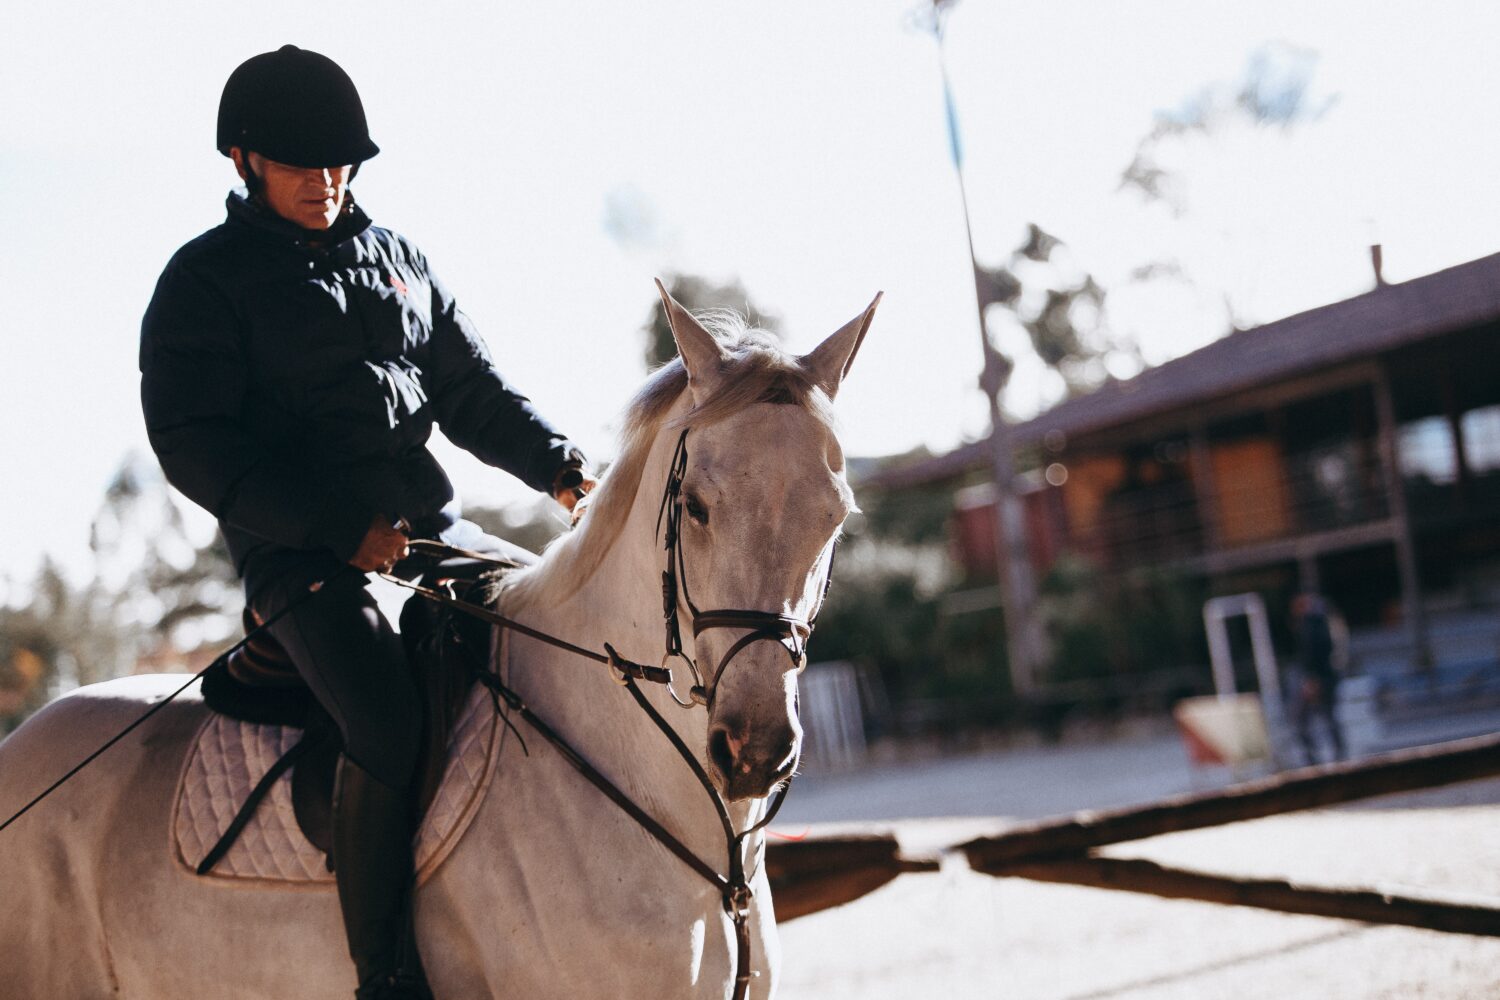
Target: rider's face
312	197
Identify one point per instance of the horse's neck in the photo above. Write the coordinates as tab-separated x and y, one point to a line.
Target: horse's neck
620	604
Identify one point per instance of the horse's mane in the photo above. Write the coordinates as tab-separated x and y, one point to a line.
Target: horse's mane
755	370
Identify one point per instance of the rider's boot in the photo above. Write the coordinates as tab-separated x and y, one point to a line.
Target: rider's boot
372	835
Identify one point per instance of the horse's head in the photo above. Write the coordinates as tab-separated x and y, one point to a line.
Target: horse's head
760	496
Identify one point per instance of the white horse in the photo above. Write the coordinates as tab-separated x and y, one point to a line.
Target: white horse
553	892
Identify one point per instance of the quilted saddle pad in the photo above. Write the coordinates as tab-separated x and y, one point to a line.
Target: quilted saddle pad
229	757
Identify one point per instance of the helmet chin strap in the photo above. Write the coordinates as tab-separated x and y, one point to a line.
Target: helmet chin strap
253	183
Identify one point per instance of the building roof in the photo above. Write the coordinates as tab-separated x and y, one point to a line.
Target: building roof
1368	325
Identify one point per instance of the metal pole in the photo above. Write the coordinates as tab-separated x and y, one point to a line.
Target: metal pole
1414	612
1024	640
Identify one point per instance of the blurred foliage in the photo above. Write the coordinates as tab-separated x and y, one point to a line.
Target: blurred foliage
1275	89
698	294
1111	625
900	607
1276	95
41	640
1059	305
914	517
529	525
889	575
1060	308
152	600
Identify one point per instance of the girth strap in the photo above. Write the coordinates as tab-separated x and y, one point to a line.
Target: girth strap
310	739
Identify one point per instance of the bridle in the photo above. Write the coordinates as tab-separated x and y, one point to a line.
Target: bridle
790	632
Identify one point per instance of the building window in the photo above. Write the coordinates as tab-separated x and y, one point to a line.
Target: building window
1425	452
1330	485
1482	439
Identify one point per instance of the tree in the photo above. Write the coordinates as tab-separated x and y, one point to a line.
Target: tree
1273	90
154	597
889	577
1272	98
530	524
33	645
178	594
1061	310
698	294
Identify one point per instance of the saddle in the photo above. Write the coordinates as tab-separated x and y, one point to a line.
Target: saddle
259	684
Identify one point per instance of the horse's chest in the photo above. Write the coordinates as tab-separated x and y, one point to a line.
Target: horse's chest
578	900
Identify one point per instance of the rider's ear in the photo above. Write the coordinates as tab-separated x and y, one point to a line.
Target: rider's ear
829	362
700	352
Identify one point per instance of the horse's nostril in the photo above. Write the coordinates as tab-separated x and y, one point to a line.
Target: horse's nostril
788	762
719	750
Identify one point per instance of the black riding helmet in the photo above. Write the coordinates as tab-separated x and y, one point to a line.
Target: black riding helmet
295	107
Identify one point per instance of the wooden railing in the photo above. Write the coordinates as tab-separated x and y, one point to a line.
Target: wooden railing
818	873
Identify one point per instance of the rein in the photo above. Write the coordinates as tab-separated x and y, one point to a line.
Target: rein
733	887
290	606
791	633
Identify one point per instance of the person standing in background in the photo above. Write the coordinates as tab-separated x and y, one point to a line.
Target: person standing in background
1316	680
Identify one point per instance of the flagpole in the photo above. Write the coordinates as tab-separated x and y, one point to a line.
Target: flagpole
1024	641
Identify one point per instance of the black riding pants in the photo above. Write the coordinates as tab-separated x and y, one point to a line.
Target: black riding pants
348	653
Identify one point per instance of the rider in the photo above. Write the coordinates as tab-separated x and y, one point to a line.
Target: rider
294	360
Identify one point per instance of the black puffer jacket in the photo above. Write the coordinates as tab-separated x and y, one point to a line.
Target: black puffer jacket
291	390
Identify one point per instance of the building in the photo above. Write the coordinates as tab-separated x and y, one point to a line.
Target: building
1353	449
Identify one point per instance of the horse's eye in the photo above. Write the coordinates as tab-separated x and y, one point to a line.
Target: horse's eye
696	510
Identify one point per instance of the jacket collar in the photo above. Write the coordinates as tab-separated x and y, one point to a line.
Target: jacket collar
352	221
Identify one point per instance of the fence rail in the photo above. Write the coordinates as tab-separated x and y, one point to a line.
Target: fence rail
812	875
1371	906
1306	788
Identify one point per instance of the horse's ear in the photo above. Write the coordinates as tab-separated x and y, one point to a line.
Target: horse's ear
829	362
700	352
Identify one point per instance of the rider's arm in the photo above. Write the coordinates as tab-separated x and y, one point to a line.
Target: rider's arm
480	411
193	378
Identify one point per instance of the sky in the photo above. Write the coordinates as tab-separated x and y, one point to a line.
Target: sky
800	148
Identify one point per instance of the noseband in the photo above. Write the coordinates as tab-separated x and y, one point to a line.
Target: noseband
789	632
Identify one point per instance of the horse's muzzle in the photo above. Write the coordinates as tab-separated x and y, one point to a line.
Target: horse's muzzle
747	765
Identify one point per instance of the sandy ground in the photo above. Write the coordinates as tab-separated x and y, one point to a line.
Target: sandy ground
957	935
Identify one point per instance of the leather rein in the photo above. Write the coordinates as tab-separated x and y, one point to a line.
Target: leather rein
790	632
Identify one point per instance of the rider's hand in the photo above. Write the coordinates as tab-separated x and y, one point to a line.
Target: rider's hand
571	496
574	481
383	547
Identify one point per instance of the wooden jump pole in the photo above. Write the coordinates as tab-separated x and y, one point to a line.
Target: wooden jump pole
1307	788
811	875
1132	875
